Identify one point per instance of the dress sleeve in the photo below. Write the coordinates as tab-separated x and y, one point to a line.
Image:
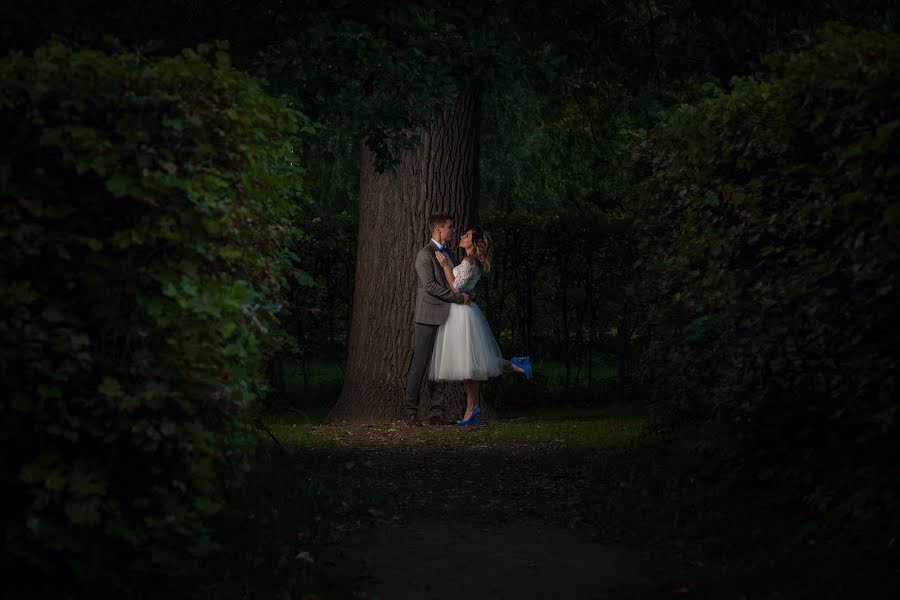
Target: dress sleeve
464	273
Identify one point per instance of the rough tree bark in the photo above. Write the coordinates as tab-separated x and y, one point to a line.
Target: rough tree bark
440	176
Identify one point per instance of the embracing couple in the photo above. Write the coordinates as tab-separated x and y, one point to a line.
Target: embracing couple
453	341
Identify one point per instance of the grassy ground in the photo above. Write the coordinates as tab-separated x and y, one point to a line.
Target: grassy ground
312	388
729	541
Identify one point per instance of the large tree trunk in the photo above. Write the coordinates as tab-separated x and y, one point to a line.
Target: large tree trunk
441	176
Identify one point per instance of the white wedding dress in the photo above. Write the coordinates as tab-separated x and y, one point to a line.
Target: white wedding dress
465	348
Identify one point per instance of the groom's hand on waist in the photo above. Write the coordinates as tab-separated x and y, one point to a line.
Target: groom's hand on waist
468	297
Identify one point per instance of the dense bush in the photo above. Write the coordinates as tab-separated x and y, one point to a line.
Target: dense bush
318	325
770	272
146	209
327	253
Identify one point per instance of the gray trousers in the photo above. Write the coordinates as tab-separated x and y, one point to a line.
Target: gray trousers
422	349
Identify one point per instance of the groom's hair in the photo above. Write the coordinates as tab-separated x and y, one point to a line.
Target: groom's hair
437	219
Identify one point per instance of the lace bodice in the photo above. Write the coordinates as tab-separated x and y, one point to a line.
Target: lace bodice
466	274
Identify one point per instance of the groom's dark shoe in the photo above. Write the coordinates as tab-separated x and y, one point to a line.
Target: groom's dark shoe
412	421
440	420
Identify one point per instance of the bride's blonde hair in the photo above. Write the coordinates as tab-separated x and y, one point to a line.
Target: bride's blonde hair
480	252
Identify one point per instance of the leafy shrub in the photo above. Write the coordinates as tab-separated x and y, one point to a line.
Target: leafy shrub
146	209
770	272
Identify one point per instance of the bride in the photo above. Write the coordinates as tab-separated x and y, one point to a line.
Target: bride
465	350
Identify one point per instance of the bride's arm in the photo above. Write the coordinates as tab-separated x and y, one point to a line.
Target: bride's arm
448	270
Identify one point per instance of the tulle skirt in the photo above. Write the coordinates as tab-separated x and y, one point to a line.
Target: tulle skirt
465	348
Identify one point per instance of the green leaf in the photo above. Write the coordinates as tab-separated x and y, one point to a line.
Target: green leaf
21	402
212	226
87	479
207	506
120	185
229	252
56	480
226	328
53	314
84	512
20	292
883	135
49	391
38	469
304	279
111	388
118	527
891	215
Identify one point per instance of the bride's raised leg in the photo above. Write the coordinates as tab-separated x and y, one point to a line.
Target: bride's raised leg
519	364
508	366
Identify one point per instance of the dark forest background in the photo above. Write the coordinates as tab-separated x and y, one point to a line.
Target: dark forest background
693	204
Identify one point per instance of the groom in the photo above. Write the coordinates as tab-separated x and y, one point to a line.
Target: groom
433	298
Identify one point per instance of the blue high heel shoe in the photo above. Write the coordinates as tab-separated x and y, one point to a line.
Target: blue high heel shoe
471	420
524	362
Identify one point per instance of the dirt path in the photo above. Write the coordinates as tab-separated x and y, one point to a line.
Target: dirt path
476	518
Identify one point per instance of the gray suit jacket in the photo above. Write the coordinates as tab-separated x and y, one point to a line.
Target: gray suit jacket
433	295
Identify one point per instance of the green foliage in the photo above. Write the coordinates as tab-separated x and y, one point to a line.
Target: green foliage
379	73
147	213
555	182
769	253
555	285
323	306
